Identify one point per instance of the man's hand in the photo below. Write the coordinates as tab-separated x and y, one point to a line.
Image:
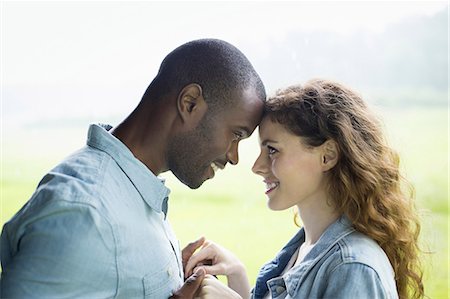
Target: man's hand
191	286
189	250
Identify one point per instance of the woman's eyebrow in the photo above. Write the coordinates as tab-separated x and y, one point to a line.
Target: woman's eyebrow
265	141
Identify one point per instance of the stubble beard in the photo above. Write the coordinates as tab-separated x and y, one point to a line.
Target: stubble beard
187	153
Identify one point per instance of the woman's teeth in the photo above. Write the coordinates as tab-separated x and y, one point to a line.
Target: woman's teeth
270	186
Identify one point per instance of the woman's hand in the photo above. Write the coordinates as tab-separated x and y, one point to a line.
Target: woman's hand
189	250
212	288
217	260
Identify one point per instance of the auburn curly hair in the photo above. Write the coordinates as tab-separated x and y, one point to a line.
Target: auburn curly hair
366	183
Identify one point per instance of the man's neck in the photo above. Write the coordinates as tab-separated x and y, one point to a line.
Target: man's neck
146	137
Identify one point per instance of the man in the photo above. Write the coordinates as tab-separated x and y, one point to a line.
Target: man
97	226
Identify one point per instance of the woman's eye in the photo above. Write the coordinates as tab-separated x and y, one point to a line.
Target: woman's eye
271	150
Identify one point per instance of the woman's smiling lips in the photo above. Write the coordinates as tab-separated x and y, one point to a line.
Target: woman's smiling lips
270	186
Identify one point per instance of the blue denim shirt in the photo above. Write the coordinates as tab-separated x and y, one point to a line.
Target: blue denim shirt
95	227
342	264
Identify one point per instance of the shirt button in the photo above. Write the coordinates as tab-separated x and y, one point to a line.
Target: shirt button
280	290
169	272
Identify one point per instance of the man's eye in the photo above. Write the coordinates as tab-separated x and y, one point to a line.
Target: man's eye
238	135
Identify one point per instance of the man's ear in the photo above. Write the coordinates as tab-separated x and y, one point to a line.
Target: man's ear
191	105
330	154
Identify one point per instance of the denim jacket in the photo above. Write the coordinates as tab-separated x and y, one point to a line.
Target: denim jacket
342	264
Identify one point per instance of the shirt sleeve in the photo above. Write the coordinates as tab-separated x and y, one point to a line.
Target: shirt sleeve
66	250
354	280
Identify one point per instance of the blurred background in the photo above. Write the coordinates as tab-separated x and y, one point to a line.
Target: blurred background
65	65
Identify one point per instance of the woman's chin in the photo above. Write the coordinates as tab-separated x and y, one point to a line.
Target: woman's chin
274	206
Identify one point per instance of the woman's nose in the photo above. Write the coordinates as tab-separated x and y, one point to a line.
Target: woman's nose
260	165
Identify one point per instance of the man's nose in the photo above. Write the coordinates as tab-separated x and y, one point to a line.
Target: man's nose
232	154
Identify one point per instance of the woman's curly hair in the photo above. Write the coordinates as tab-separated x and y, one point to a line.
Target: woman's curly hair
365	184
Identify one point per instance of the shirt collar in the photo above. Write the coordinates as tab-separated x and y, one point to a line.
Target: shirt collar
151	188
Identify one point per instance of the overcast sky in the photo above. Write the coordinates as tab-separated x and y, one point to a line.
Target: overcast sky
93	59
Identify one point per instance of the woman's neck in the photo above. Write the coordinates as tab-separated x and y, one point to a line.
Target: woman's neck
316	218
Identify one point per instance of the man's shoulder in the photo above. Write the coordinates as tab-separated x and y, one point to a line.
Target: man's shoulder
76	181
78	177
87	164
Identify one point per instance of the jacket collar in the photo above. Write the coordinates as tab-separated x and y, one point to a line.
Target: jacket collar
335	232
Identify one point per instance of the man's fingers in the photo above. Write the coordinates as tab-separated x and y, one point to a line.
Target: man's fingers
190	286
189	250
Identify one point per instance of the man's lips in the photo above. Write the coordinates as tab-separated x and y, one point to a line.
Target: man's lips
213	168
216	166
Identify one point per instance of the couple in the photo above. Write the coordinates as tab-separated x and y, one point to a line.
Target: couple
97	226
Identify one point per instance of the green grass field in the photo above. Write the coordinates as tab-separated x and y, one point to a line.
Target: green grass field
231	209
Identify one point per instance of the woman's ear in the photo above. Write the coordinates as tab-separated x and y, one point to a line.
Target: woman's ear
330	154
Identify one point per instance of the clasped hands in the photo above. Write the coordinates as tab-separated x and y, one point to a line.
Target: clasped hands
201	266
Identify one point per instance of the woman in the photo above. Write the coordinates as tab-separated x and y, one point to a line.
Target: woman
323	151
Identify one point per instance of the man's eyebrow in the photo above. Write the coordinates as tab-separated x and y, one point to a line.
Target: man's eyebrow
265	141
245	130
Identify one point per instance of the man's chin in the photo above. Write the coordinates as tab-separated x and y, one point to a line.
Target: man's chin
190	183
195	181
195	185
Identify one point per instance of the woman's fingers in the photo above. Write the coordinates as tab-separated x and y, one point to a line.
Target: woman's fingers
214	259
189	250
217	269
204	256
212	288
